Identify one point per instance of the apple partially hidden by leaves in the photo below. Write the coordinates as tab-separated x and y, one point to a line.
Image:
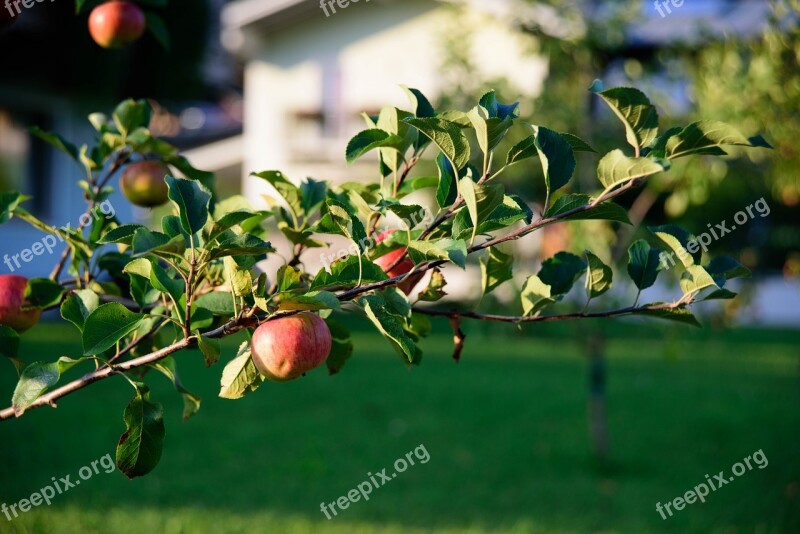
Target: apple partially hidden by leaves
12	296
116	24
402	268
143	183
287	348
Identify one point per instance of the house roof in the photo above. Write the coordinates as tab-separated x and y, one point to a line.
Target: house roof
712	17
245	13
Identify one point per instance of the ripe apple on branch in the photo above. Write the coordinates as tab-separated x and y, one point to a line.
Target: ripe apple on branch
120	23
139	296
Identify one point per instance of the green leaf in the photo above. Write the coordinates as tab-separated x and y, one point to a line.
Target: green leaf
679	315
78	306
496	109
370	140
191	402
312	301
435	290
57	142
9	342
411	185
659	147
141	290
561	271
286	189
447	191
447	136
596	87
391	120
513	209
140	446
635	111
719	294
313	194
8	203
289	278
452	250
43	293
171	226
240	376
348	223
397	302
643	264
481	200
577	144
388	325
182	164
148	242
121	234
217	302
496	268
558	159
724	268
106	325
237	277
607	211
192	201
166	283
707	137
677	240
616	169
346	273
598	276
241	245
156	25
411	214
535	296
695	279
341	346
209	347
37	378
523	150
141	267
422	106
490	131
132	114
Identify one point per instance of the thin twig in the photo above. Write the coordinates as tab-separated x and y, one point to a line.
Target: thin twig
452	314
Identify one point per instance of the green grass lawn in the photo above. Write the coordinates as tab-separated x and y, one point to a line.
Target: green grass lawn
505	429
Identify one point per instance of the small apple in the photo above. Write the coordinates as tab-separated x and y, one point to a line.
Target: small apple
12	295
143	183
402	268
286	348
116	24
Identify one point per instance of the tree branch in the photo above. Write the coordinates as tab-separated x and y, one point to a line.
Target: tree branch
233	326
50	398
454	314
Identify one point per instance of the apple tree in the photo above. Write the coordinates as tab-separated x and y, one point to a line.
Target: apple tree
139	296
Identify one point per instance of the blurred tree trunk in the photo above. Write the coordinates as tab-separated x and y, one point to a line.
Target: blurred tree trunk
596	405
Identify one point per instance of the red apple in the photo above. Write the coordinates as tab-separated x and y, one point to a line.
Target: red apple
12	295
404	267
116	24
287	348
143	183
